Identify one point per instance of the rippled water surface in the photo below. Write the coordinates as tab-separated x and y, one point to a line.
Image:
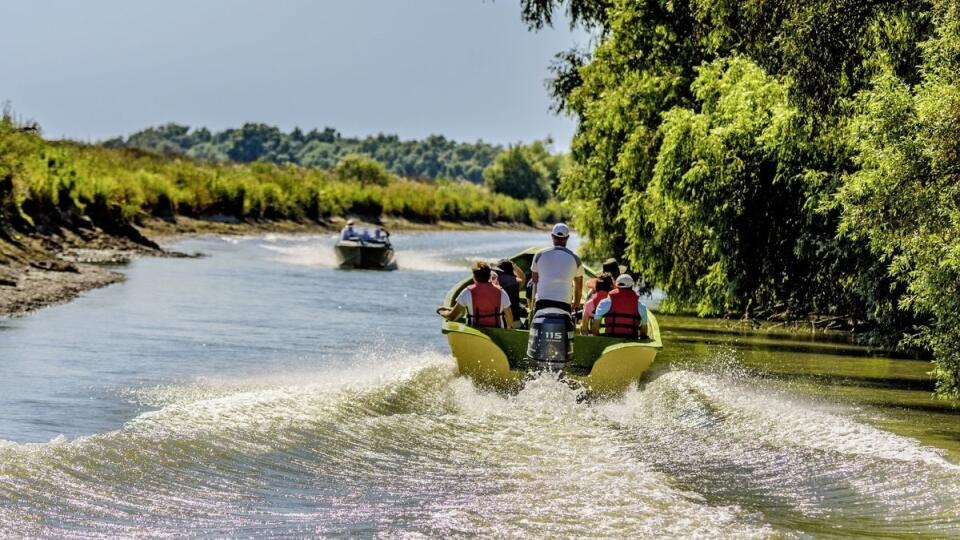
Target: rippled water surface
258	391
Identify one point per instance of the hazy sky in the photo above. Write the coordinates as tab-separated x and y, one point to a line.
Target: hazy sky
466	69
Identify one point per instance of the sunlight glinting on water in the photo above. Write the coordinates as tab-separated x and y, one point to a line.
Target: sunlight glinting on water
283	412
411	443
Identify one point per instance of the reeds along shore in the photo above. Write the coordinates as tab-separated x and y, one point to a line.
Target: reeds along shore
64	205
46	184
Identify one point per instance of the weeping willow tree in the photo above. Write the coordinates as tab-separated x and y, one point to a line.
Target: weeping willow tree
904	197
774	158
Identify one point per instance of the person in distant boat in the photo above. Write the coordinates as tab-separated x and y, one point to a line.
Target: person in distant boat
621	313
509	277
603	284
557	274
381	235
348	232
484	303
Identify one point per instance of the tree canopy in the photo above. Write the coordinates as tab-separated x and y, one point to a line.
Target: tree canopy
49	187
774	158
525	172
362	169
433	157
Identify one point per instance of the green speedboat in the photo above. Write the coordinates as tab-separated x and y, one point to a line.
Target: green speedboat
497	358
352	254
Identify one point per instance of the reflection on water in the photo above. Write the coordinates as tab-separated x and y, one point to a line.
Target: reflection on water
259	391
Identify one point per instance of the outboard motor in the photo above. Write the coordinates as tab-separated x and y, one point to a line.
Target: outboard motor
551	339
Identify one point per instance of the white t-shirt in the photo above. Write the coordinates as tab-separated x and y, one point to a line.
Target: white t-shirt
465	299
556	267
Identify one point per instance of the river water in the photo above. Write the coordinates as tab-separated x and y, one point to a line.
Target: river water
258	391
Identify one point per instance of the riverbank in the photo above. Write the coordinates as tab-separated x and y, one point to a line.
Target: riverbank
43	269
66	205
163	230
24	290
40	270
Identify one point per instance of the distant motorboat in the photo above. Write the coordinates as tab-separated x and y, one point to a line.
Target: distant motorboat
365	254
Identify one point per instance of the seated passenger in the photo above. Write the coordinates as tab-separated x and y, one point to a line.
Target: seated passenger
381	235
603	284
621	314
509	278
485	304
348	232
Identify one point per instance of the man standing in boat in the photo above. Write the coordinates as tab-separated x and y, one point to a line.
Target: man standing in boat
557	274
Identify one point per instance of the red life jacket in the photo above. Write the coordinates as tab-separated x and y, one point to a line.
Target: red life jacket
623	319
486	305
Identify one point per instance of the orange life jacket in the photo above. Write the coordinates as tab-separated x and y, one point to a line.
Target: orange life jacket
486	305
623	319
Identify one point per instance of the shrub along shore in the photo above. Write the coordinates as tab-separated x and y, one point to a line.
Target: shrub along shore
63	204
796	161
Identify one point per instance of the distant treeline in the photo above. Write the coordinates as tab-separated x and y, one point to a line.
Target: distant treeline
776	159
433	157
49	185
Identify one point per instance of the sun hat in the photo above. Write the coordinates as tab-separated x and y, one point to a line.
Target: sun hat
350	222
624	281
560	230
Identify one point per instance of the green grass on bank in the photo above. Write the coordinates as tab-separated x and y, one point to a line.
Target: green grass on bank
42	180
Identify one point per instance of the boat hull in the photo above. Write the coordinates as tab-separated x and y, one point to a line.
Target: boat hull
368	255
496	358
603	366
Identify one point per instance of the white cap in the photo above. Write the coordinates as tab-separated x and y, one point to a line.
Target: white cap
560	230
624	281
350	222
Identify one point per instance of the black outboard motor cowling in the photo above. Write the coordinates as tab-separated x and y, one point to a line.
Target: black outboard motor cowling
551	339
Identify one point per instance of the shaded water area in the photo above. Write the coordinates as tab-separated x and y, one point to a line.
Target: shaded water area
258	391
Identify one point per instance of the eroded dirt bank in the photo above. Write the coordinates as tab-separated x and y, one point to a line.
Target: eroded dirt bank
48	265
44	268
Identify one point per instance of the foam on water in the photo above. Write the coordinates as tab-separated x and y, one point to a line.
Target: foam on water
741	440
413	444
317	255
227	396
401	442
427	261
317	252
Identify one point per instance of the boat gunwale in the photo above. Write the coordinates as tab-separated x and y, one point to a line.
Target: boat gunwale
652	342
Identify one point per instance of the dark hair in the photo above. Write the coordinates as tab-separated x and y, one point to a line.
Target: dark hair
605	282
481	272
505	266
612	266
